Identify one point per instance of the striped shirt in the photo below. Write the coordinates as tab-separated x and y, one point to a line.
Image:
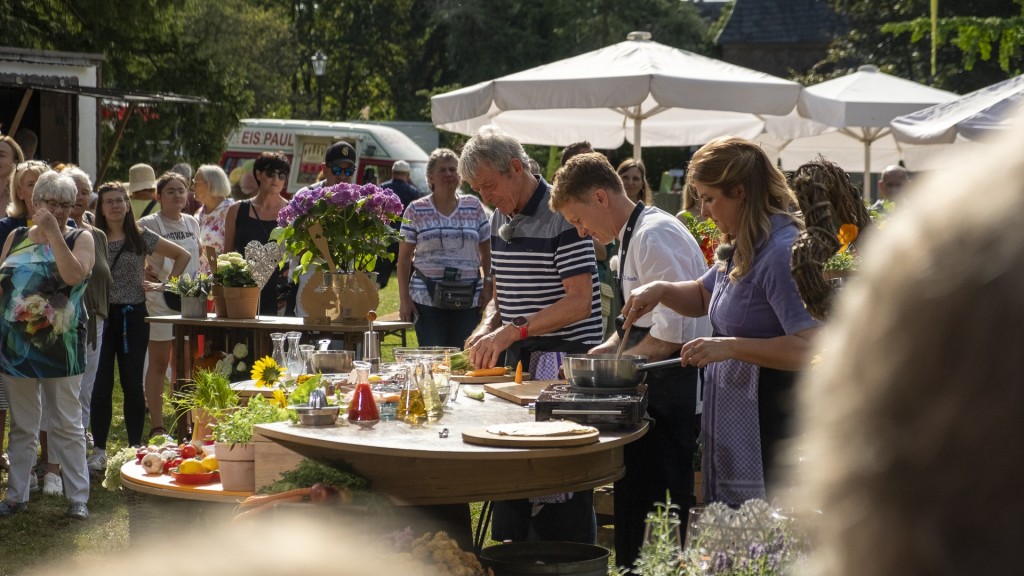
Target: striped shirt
543	249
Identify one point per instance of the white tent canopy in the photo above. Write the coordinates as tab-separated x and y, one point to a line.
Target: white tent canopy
861	105
970	117
638	90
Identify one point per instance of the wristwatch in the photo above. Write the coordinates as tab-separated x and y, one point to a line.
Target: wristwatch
523	325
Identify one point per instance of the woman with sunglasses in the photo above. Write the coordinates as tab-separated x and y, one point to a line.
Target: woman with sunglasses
447	236
254	219
126	333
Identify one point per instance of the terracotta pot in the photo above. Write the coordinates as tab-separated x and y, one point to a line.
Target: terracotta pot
243	302
237	466
220	305
201	424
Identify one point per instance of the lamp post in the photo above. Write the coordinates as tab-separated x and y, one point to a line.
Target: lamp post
319	67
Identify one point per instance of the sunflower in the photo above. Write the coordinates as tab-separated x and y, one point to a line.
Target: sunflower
280	400
266	372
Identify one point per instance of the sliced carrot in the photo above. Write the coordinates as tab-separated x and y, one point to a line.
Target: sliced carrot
496	371
519	372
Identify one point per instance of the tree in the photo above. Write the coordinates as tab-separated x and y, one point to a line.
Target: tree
877	37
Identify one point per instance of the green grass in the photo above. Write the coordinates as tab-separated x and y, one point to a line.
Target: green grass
44	534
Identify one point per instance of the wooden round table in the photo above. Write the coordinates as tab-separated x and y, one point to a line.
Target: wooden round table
420	465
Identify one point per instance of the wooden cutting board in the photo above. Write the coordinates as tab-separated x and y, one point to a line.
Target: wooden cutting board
522	394
484	438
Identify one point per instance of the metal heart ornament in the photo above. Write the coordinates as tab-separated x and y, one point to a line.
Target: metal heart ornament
262	260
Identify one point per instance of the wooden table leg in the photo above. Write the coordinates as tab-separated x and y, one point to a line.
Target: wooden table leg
183	372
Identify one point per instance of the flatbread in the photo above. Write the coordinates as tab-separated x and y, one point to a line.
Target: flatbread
541	429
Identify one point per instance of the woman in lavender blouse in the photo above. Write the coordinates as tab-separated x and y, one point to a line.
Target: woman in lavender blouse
761	332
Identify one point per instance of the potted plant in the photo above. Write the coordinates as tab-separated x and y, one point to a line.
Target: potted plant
194	291
235	450
206	398
241	294
347	227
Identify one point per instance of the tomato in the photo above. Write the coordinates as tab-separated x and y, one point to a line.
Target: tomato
187	451
140	453
169	464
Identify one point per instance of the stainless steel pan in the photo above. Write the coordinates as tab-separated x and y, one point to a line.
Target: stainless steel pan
609	370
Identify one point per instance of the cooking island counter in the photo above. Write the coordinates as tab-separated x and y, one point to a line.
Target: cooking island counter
420	465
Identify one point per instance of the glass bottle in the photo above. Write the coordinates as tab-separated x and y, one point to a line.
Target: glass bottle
363	408
410	400
428	389
293	357
306	354
278	355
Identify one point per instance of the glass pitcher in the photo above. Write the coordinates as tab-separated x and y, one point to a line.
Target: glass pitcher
293	356
278	355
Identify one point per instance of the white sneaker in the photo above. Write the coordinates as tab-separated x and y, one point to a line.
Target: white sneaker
33	482
53	484
89	444
98	461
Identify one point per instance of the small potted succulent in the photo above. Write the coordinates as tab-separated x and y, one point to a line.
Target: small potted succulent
194	292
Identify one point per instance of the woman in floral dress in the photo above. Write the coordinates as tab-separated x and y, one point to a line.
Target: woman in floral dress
212	189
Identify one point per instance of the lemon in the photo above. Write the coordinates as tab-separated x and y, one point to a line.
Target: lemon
191	466
210	463
375	378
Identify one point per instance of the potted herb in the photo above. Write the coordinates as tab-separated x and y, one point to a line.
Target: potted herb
239	291
194	292
235	450
206	398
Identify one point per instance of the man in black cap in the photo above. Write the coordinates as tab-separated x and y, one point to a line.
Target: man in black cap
339	166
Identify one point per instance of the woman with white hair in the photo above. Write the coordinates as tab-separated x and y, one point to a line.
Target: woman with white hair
97	293
42	334
212	189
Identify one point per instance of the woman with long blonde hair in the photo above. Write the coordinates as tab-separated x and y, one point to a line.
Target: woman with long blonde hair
762	333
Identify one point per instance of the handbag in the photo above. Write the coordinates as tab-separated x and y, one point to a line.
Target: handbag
449	295
172	300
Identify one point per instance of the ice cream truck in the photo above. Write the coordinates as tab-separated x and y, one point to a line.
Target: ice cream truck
304	142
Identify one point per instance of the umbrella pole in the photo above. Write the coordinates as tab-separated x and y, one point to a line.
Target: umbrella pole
867	171
636	137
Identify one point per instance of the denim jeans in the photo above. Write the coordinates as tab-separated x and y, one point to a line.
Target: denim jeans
437	327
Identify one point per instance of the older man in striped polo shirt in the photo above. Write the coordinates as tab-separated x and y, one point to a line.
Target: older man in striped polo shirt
547	299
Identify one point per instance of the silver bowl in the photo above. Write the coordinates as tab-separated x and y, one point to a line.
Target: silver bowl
317	416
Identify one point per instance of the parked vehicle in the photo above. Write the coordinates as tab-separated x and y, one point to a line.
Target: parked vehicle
306	141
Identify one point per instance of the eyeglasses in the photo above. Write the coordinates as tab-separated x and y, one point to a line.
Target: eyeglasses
54	205
279	174
115	202
339	170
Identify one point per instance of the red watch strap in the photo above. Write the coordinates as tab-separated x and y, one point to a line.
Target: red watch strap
524	331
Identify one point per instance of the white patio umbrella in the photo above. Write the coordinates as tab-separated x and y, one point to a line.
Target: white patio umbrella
861	105
805	139
971	117
637	90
